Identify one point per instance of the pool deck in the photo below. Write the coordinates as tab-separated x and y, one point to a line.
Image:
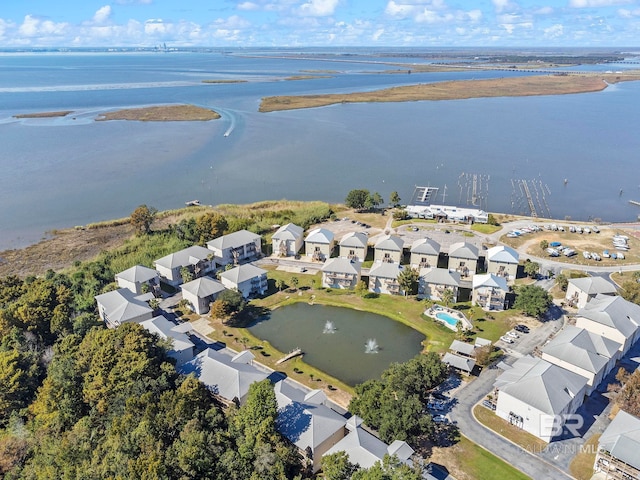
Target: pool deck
433	310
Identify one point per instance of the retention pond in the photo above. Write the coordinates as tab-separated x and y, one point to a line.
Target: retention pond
351	345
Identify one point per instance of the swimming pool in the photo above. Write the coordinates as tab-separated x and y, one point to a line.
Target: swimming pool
448	319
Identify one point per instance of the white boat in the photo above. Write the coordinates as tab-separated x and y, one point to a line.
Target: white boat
553	252
586	255
621	255
587	230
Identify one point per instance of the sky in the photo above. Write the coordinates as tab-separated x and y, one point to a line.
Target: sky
296	23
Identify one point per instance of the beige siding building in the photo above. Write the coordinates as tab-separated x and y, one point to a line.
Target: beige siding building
434	281
248	279
581	290
463	258
319	244
383	278
340	273
353	246
425	253
237	247
503	262
288	240
200	293
135	277
389	249
489	291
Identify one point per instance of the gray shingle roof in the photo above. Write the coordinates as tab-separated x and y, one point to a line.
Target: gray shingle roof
385	270
440	276
461	363
425	246
166	329
540	384
320	235
614	312
490	280
122	305
622	438
203	287
188	256
288	232
304	423
354	239
242	273
462	347
137	274
218	371
233	240
582	348
365	450
593	285
503	254
390	242
341	265
463	250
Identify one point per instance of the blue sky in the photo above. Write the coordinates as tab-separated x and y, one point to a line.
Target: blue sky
238	23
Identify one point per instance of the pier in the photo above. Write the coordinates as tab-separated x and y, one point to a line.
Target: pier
290	355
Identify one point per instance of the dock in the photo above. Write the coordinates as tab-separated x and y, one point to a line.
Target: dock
633	202
290	355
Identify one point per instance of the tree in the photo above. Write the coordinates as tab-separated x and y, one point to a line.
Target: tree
210	225
357	199
628	396
395	404
362	288
142	218
186	274
492	220
394	199
408	280
532	300
562	281
376	199
531	268
233	301
280	284
294	282
400	214
483	355
391	468
544	244
337	466
447	296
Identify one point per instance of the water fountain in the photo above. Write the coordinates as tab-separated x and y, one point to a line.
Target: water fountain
329	327
371	346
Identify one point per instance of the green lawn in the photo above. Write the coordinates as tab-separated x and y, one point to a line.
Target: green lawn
485	228
466	459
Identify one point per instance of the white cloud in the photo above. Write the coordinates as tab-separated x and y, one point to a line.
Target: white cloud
318	8
624	13
543	11
134	2
377	34
554	31
502	5
597	3
248	6
102	15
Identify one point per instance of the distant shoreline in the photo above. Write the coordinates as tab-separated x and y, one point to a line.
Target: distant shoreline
161	113
456	90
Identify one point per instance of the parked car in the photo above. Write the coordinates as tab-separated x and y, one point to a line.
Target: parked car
506	339
521	328
513	334
440	419
488	404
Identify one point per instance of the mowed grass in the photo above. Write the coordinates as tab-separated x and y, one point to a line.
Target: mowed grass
518	436
581	467
468	461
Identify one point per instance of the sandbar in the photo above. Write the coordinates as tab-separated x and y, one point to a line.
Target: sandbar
456	90
166	113
62	113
